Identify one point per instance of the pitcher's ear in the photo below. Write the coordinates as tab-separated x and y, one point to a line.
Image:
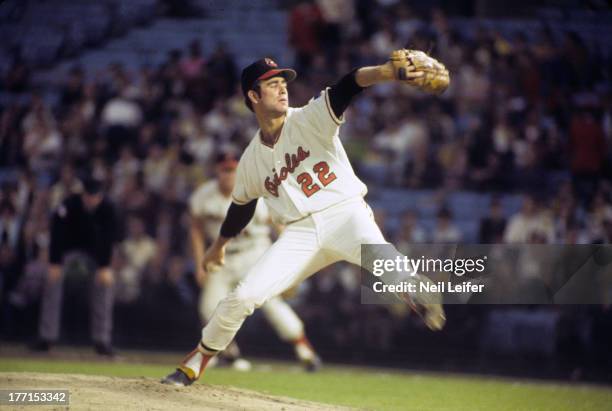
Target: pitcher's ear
253	96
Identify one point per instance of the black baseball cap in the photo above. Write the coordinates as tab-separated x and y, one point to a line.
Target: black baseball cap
227	158
261	70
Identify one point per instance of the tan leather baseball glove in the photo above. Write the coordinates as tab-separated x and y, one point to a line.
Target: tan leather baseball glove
435	78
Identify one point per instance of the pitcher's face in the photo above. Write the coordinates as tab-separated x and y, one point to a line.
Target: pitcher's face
273	96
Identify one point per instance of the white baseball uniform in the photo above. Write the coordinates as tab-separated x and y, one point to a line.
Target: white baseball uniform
307	183
210	205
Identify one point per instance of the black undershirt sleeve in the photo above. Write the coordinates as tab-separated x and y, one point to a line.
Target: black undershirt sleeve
237	218
341	93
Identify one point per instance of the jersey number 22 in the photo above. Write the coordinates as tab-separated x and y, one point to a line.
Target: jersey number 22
323	174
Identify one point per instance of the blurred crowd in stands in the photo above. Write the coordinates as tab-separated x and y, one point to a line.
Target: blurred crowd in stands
529	114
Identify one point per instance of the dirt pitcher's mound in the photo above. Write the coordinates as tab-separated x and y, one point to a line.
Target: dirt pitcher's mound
113	393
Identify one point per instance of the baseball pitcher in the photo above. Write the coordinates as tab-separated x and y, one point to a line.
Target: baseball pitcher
297	164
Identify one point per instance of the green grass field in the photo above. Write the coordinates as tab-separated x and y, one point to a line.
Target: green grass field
364	388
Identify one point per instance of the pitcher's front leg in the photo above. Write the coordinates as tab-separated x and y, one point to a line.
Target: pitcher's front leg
276	271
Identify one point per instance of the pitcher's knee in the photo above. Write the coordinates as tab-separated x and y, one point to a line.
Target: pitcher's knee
240	302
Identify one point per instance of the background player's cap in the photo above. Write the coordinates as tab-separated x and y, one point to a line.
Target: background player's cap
227	158
261	70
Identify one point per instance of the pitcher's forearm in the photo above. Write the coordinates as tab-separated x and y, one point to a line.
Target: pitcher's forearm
369	76
221	241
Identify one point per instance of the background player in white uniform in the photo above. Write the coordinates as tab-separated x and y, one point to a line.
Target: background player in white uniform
296	162
208	206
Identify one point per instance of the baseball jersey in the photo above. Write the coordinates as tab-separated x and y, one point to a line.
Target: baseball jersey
209	203
307	169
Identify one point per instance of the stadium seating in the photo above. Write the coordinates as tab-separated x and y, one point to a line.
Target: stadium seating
42	32
266	30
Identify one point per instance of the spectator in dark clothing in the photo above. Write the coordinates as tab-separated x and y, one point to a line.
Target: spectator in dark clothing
222	71
492	227
83	230
192	65
587	148
305	25
72	91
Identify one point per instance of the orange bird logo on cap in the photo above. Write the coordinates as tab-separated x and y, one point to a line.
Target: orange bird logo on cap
270	62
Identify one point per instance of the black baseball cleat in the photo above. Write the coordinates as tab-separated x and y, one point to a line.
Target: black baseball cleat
178	378
313	364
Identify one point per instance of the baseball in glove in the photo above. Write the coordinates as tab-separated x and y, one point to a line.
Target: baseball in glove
435	78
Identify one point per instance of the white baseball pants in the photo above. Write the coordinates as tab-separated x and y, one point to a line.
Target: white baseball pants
303	248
